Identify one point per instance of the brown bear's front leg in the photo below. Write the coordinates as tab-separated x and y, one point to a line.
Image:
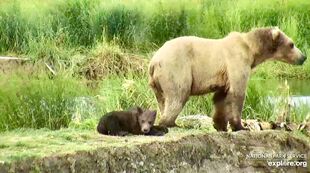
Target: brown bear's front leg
228	108
220	117
235	102
238	79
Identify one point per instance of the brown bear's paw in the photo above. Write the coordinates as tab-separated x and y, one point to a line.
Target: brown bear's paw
239	127
220	127
219	124
244	128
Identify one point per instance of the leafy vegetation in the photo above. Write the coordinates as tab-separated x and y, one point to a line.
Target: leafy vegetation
100	49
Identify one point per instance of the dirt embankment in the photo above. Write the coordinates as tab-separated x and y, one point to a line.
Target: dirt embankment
208	152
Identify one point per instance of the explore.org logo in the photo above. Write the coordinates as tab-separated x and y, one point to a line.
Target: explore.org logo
282	163
280	159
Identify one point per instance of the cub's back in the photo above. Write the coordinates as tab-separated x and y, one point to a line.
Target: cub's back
120	119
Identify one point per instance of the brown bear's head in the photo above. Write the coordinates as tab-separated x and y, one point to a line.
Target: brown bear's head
275	45
146	119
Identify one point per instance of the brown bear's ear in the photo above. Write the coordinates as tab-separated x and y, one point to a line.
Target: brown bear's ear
275	32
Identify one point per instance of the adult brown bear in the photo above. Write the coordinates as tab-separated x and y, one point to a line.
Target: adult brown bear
190	65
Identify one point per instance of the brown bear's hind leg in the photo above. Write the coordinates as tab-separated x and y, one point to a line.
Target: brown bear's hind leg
173	106
159	95
161	101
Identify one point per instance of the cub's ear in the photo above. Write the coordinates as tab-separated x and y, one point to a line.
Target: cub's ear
154	113
140	110
137	110
275	33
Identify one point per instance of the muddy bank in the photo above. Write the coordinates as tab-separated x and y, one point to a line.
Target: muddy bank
209	152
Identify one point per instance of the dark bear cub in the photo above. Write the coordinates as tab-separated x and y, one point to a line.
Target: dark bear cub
135	121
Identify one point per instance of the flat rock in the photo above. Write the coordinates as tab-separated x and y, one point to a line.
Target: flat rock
196	122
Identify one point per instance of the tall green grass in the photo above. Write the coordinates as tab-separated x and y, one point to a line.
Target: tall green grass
59	29
84	22
38	102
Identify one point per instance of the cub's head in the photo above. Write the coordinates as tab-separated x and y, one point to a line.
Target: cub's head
276	45
146	119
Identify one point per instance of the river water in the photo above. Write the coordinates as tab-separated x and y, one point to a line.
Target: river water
299	90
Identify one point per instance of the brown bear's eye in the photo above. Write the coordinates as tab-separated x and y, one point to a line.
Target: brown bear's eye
150	122
142	121
291	45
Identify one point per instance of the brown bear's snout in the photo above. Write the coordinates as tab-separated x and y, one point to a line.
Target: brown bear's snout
301	60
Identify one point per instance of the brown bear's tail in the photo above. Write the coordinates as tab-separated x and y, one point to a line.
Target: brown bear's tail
151	73
154	83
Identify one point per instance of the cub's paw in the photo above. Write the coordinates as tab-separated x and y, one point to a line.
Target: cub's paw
161	128
122	133
157	131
